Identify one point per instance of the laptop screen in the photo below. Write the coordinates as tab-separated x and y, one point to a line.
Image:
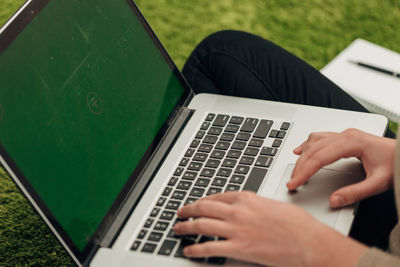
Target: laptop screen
84	92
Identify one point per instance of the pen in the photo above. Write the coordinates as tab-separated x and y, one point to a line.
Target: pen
375	68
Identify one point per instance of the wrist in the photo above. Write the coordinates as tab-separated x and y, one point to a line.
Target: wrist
332	249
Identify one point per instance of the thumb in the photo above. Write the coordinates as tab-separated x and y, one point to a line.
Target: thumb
352	193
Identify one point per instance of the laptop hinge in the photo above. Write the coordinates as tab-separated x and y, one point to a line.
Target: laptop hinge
146	177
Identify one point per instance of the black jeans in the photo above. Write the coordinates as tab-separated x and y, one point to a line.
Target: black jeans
240	64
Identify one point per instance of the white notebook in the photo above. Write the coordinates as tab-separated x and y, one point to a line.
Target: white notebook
376	91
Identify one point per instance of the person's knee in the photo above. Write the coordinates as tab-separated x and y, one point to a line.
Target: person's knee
237	43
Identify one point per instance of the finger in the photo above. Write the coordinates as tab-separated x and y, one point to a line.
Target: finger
298	150
353	193
210	249
228	197
309	165
314	143
312	139
298	176
206	208
204	226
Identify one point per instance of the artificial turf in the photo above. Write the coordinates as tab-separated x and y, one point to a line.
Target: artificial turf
315	30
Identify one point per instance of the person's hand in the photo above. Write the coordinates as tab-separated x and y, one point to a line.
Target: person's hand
264	231
376	154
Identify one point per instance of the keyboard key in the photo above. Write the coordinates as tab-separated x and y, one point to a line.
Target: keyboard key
238	145
205	148
190	200
273	133
251	151
155	236
263	128
197	192
167	215
188	175
203	182
184	185
195	143
161	201
223	145
135	245
148	223
269	151
161	226
200	134
237	179
243	136
207	172
224	172
241	169
214	190
173	205
256	142
227	137
217	154
184	162
200	157
205	126
180	195
245	160
171	234
215	130
216	260
173	181
184	243
281	134
213	163
210	116
249	125
149	248
285	126
210	139
178	171
219	182
232	187
236	120
232	128
221	120
255	179
142	234
230	163
189	152
277	143
155	212
263	161
235	154
167	247
167	191
206	238
195	166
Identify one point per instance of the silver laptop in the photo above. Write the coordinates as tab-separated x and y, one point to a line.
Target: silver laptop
101	132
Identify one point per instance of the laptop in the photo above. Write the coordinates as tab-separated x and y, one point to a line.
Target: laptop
103	135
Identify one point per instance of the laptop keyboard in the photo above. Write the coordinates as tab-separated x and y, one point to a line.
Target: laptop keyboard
228	153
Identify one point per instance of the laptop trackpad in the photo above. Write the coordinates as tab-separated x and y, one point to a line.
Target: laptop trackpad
314	195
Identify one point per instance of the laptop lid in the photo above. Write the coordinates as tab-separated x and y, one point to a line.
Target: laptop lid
87	93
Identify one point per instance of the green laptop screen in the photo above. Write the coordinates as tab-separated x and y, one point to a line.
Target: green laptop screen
83	93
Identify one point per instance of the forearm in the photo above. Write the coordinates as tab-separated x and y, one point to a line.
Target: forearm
333	249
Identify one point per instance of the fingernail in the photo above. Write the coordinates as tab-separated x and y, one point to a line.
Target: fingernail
337	201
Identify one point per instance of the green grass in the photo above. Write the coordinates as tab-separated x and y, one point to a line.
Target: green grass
315	30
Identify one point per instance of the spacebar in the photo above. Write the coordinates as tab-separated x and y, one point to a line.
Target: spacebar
255	179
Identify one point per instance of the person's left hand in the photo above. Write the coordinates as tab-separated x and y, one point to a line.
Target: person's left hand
263	231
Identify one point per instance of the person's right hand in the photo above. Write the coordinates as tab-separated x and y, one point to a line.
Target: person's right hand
376	154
